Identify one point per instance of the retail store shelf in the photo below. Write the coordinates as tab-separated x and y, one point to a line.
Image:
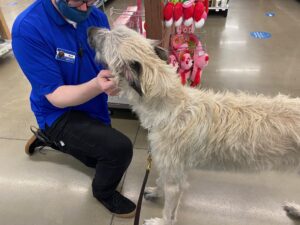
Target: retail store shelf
100	3
5	47
118	102
221	6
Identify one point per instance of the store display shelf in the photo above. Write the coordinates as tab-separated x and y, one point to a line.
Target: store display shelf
219	8
5	47
99	3
118	102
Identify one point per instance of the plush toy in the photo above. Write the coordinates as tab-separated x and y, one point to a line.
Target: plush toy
173	62
185	30
178	41
200	61
168	14
188	12
186	63
200	14
178	14
184	48
187	55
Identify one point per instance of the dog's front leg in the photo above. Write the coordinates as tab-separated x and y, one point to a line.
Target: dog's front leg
153	193
172	192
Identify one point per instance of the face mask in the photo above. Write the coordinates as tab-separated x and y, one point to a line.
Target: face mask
72	13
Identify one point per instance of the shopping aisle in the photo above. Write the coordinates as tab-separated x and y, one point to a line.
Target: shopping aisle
52	188
238	61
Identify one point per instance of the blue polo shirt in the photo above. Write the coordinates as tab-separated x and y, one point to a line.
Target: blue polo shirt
51	53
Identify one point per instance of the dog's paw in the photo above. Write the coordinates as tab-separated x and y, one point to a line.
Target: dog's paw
155	221
292	210
151	193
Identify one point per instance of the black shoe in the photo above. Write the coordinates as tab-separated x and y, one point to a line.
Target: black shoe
119	205
33	143
39	139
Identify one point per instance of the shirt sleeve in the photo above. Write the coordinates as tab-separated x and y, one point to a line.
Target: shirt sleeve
37	60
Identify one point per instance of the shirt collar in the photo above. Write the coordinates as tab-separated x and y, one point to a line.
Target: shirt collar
74	24
53	13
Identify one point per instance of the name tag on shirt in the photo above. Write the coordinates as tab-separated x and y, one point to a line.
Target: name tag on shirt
65	55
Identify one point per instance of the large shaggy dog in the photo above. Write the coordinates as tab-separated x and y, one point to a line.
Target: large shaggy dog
191	128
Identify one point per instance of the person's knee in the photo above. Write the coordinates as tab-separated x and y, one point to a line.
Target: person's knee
122	150
125	150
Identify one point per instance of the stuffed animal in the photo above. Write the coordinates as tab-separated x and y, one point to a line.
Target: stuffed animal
178	14
178	41
200	61
200	14
186	64
173	62
168	14
188	12
187	55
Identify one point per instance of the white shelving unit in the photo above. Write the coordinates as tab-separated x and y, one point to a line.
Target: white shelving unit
5	47
117	102
5	42
219	6
100	3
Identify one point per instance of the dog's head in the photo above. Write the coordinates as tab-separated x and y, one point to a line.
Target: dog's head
132	58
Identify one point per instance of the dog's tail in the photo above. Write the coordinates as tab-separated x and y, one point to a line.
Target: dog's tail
292	210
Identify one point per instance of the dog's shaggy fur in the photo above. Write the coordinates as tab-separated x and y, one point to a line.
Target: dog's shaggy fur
190	128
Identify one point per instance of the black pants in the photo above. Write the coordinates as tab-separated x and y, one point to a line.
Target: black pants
96	145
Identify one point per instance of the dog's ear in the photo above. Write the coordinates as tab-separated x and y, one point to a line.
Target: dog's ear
162	53
132	74
96	36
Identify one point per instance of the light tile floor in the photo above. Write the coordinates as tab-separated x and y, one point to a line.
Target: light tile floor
53	188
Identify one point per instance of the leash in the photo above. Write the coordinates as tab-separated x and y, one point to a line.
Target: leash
139	204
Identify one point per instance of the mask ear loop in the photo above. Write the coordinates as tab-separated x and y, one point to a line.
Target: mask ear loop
83	2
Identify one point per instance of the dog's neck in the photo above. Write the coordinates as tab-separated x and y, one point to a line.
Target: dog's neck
155	111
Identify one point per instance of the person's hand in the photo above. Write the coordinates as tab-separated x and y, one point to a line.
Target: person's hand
106	83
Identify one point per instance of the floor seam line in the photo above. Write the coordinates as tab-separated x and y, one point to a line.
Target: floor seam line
16	139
